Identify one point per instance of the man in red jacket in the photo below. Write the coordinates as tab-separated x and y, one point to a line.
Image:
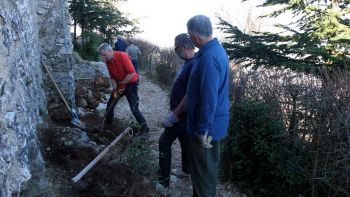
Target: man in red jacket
124	82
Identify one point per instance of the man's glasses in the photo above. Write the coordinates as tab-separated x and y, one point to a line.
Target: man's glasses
177	48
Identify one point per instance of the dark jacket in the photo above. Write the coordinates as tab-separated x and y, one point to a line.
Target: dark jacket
178	90
120	45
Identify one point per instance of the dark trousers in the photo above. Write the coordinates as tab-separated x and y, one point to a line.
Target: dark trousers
133	99
166	140
204	163
136	65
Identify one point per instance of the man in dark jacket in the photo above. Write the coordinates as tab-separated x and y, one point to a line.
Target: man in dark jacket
120	44
176	122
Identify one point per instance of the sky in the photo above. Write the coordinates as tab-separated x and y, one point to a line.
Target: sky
162	20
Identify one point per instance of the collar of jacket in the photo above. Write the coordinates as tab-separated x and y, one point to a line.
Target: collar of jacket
207	46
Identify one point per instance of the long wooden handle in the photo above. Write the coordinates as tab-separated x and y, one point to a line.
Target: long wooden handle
99	157
110	107
57	88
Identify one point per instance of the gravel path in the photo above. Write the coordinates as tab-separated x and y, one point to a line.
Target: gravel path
154	104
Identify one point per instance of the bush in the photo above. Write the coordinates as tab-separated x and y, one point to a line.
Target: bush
167	65
139	157
253	155
309	155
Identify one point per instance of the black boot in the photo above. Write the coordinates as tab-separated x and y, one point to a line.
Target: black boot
144	131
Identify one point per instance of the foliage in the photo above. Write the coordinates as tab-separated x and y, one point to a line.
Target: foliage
254	155
161	64
167	65
319	37
101	17
292	128
88	51
138	156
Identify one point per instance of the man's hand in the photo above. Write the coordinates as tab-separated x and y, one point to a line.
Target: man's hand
121	87
117	93
169	120
205	140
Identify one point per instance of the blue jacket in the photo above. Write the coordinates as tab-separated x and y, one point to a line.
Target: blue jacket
178	90
208	92
120	45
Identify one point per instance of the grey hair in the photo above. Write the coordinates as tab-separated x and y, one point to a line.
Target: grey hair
104	47
200	25
184	40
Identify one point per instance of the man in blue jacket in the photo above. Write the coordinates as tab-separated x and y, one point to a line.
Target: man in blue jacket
120	44
207	106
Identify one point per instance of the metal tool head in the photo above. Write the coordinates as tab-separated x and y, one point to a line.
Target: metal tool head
78	123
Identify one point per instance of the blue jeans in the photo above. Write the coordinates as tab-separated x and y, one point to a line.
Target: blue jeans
136	65
166	140
133	99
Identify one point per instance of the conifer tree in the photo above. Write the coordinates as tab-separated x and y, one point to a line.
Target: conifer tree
318	38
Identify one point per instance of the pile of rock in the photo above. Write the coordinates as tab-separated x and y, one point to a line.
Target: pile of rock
89	92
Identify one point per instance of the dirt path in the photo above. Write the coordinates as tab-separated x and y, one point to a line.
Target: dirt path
154	103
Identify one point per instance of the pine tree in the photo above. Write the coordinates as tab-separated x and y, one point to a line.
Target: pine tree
319	38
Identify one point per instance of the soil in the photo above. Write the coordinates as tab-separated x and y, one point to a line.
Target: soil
65	157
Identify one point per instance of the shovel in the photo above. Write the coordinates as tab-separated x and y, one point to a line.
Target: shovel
108	110
75	120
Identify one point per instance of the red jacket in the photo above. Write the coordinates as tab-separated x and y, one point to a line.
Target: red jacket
120	66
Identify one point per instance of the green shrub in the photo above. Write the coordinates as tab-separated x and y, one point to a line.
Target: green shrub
254	156
139	157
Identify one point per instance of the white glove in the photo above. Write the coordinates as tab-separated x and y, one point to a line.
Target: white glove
205	140
169	120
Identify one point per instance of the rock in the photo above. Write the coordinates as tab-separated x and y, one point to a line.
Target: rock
102	82
100	109
108	91
103	96
82	102
10	118
97	95
52	105
81	91
93	103
89	94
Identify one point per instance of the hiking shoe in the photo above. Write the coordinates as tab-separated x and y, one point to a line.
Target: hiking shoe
164	191
180	174
144	136
144	133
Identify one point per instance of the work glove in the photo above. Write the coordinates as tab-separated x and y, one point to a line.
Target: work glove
117	93
204	140
169	120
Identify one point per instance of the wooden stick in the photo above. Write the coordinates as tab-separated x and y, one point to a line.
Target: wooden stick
99	157
57	88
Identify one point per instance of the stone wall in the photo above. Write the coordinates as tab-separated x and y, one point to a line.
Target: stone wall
30	30
56	48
